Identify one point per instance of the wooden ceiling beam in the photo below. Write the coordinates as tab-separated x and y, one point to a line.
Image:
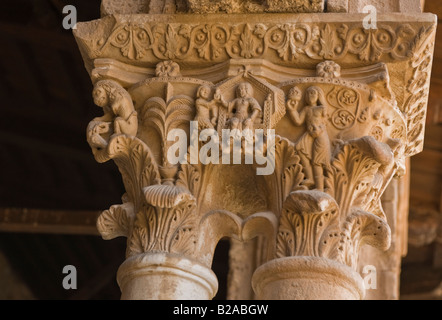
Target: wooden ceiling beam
48	221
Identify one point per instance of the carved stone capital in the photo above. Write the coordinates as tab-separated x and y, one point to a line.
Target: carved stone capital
324	111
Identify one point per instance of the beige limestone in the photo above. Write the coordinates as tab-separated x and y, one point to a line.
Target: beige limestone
337	5
162	276
307	278
109	7
347	105
403	6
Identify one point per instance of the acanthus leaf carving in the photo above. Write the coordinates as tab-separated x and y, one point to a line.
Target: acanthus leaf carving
360	228
351	176
287	175
136	164
189	177
334	223
165	229
116	221
306	215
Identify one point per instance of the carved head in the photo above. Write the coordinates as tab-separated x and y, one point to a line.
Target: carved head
106	91
314	96
100	97
244	90
203	92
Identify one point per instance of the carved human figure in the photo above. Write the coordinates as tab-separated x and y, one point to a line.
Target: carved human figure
313	146
245	108
206	111
119	116
117	106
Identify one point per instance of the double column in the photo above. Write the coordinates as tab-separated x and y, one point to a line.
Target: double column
288	132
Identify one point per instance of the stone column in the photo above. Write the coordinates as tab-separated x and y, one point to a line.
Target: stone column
280	126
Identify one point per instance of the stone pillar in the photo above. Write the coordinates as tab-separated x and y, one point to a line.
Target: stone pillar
283	127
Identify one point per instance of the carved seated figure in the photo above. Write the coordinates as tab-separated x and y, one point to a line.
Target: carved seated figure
314	145
245	108
119	116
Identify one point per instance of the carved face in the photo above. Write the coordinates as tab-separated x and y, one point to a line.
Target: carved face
244	90
204	92
100	97
315	130
312	97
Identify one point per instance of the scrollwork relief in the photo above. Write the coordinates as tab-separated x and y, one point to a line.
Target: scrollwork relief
417	88
287	41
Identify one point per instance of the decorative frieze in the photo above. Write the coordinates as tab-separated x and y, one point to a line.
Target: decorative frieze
143	39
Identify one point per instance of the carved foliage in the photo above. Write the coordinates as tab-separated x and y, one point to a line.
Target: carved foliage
289	41
306	214
351	177
163	116
417	88
165	214
161	228
133	40
358	174
189	178
116	222
155	217
287	175
136	164
334	224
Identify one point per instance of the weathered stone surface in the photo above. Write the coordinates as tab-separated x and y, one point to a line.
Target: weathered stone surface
403	6
109	7
347	106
